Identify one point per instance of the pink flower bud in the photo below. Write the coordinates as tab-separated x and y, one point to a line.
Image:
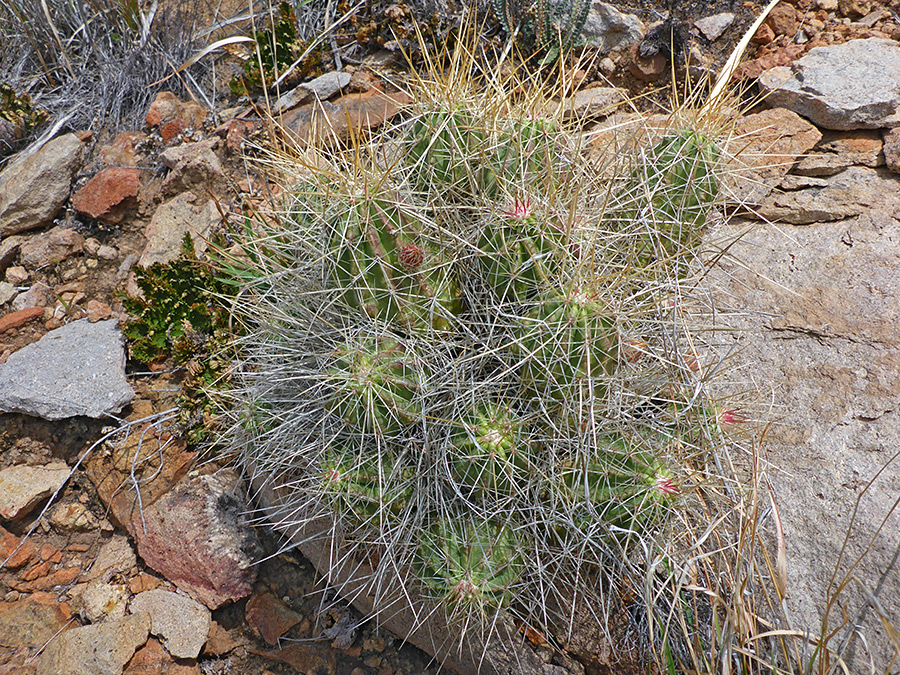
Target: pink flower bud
520	211
411	257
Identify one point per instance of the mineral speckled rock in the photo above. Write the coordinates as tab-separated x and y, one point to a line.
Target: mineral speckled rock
181	623
815	311
607	28
98	649
78	369
199	538
855	85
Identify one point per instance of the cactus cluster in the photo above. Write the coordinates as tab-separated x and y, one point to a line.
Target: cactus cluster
462	385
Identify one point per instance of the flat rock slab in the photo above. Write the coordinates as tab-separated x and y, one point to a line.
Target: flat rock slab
855	85
23	487
808	199
99	649
815	314
181	623
78	369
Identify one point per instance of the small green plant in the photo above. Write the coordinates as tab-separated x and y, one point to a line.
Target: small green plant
181	315
277	48
18	109
547	27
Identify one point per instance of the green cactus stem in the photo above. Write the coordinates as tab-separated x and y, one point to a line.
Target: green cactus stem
363	488
468	564
385	269
375	386
567	339
491	452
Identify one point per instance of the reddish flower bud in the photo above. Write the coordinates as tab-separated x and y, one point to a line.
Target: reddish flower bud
411	257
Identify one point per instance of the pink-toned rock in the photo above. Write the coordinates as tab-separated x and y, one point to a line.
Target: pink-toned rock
109	195
172	116
35	297
647	69
33	189
9	249
17	275
123	151
321	121
198	537
20	318
269	617
97	311
50	247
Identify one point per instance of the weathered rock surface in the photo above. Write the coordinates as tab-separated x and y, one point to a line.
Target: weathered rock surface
270	617
78	369
855	85
816	313
321	121
33	189
109	195
847	194
194	166
587	103
48	248
98	649
24	487
152	659
198	537
181	623
607	28
763	148
713	26
892	149
30	621
171	117
104	602
839	150
321	88
188	213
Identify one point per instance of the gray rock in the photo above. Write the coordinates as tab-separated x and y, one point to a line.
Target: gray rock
78	369
36	296
815	313
323	87
198	537
595	102
845	195
23	487
185	214
33	189
608	29
713	26
855	85
7	292
181	623
99	649
194	166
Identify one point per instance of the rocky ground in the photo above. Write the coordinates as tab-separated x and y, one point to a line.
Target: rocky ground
101	526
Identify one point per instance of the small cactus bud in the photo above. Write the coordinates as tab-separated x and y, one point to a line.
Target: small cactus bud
411	257
520	210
